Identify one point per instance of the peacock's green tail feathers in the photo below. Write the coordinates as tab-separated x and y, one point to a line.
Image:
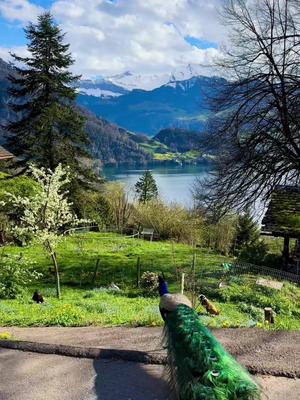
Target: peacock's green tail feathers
200	366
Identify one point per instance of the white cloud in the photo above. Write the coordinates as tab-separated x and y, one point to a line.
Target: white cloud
143	36
19	50
19	10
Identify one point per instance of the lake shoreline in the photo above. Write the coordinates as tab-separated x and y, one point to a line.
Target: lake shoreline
175	182
159	163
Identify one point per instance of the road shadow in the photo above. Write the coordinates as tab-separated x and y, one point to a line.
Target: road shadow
123	380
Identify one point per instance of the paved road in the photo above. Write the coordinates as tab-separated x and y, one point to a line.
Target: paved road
31	376
259	350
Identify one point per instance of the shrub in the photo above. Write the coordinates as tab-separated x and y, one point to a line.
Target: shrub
255	312
255	253
15	274
149	283
22	186
220	236
120	208
93	206
169	221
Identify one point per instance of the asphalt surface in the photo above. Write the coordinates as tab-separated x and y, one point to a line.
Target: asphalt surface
266	352
32	376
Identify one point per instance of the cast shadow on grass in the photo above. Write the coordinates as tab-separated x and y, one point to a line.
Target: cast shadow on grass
123	380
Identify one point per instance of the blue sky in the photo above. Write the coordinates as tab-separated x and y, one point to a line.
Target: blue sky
109	36
10	34
200	43
11	31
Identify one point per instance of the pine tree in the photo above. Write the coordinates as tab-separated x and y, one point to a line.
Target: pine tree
146	187
48	128
247	231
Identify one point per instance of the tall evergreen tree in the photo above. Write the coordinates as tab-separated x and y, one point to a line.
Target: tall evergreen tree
48	128
146	187
247	231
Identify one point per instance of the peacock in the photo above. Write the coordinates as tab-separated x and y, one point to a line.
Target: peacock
200	368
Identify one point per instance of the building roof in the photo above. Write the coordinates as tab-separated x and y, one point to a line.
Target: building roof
283	214
5	154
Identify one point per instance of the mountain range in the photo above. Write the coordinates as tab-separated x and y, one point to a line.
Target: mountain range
116	85
110	144
121	122
176	104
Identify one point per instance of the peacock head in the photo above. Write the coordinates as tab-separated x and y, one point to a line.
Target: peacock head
162	285
202	299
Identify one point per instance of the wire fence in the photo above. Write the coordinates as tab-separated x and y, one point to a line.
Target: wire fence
246	268
83	230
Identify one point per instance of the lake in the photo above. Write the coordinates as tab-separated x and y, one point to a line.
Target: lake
174	182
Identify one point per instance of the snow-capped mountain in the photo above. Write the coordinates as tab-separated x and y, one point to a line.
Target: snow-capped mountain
176	104
100	88
130	81
117	85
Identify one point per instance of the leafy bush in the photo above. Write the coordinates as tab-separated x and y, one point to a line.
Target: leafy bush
149	283
169	221
255	312
220	236
14	276
22	186
255	253
120	208
93	206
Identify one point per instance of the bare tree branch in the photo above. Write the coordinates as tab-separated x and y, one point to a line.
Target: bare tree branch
257	125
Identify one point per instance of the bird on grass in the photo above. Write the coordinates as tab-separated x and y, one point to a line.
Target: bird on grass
37	297
210	307
199	367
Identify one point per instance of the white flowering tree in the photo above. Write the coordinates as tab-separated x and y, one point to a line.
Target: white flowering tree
45	215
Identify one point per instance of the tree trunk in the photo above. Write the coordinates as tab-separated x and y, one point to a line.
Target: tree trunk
286	252
53	256
96	271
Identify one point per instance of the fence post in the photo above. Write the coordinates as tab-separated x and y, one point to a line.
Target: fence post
96	271
194	280
182	282
138	272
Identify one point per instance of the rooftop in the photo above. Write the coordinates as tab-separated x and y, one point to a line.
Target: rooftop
5	154
283	214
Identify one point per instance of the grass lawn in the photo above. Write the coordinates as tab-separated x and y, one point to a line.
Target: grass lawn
241	303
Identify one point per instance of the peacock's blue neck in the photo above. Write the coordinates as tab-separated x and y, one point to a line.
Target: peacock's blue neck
163	288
